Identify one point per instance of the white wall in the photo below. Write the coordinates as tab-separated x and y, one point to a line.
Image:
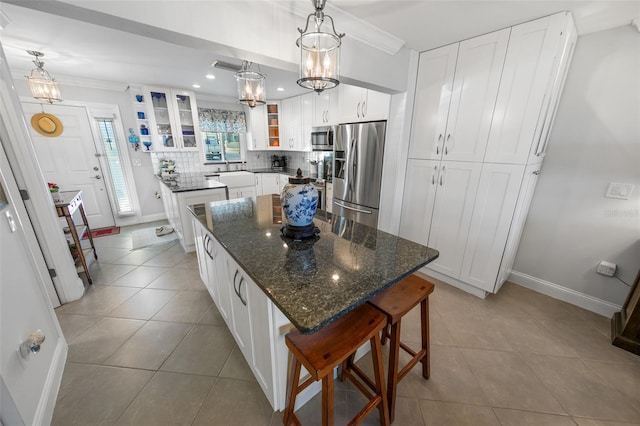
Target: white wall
146	185
571	226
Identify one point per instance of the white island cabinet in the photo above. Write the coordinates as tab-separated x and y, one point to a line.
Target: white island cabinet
257	325
483	109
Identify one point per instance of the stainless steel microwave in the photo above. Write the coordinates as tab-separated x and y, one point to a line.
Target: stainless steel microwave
322	138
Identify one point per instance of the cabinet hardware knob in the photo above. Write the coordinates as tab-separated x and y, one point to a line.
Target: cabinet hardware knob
537	172
437	149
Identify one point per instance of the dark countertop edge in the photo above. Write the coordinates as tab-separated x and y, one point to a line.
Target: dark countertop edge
219	185
303	329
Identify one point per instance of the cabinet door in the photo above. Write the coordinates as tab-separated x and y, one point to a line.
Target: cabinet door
221	269
420	185
282	181
259	130
270	183
321	105
452	210
306	117
376	106
352	99
492	214
273	124
475	87
241	327
431	104
263	350
185	117
163	131
198	233
523	89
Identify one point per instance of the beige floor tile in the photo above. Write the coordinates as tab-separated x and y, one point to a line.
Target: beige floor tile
73	325
580	391
103	272
186	306
235	402
593	422
474	330
144	304
528	418
171	257
150	346
529	335
109	254
621	376
137	257
96	394
212	317
203	351
311	413
508	382
451	379
236	367
97	343
99	300
168	399
179	279
191	262
411	329
435	413
141	276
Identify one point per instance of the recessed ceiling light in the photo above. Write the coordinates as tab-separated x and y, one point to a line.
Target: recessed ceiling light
280	89
210	76
196	86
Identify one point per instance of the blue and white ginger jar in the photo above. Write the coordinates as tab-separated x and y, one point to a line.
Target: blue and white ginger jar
299	200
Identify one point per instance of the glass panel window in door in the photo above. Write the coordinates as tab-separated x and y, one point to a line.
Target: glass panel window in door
161	113
186	121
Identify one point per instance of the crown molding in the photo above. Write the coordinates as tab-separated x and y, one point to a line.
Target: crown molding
357	28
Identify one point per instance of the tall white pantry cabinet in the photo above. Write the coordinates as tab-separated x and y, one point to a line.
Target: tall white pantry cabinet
483	110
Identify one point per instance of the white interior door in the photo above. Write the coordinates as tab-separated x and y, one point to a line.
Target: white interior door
71	160
30	379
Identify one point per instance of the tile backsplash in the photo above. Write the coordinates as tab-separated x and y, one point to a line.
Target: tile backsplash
191	161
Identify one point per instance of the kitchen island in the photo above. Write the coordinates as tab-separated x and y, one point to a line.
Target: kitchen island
277	282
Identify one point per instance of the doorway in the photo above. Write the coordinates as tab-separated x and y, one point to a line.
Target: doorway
71	161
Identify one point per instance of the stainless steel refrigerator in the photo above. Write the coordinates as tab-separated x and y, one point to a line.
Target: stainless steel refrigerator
357	173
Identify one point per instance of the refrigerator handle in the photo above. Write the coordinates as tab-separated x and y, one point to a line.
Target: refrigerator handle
337	203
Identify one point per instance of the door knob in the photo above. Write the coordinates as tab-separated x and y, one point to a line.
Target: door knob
32	343
98	177
95	169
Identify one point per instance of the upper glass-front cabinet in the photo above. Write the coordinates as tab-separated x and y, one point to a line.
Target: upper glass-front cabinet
173	120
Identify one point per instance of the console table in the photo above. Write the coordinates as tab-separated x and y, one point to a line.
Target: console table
67	203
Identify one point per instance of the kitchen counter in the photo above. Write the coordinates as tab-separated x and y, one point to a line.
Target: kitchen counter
183	182
315	281
288	171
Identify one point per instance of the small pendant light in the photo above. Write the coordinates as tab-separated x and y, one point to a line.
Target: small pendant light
43	86
319	51
250	86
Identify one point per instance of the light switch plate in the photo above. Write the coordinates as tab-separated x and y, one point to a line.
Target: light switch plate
620	191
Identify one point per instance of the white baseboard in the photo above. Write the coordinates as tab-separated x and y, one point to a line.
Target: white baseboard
568	295
44	410
134	220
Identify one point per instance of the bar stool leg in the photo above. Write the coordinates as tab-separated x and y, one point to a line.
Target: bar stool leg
292	390
426	360
327	400
394	358
378	371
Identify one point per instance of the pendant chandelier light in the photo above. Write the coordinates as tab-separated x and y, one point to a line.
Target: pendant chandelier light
250	86
42	86
319	51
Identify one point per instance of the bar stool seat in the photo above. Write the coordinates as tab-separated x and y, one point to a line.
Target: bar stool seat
327	348
395	302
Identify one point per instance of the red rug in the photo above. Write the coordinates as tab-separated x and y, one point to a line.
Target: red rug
103	232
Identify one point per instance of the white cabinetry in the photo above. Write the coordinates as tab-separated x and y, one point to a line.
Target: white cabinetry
359	104
453	112
269	183
325	108
295	123
241	325
488	105
175	207
259	139
173	117
240	184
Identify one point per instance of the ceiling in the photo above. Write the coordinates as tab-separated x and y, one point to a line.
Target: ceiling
77	51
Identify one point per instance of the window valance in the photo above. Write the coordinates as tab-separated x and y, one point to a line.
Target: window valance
222	120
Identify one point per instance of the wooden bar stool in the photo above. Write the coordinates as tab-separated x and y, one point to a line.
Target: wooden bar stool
395	302
326	349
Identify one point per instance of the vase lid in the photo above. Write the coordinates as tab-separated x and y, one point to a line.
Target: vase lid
298	178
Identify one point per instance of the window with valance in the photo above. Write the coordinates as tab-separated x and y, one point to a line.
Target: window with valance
222	120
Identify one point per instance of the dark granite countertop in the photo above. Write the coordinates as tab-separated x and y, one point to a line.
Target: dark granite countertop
314	281
289	171
182	182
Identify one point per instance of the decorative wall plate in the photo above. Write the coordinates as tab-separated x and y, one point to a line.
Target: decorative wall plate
47	125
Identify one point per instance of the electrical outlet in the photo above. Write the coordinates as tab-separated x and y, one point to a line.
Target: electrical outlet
621	191
606	268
